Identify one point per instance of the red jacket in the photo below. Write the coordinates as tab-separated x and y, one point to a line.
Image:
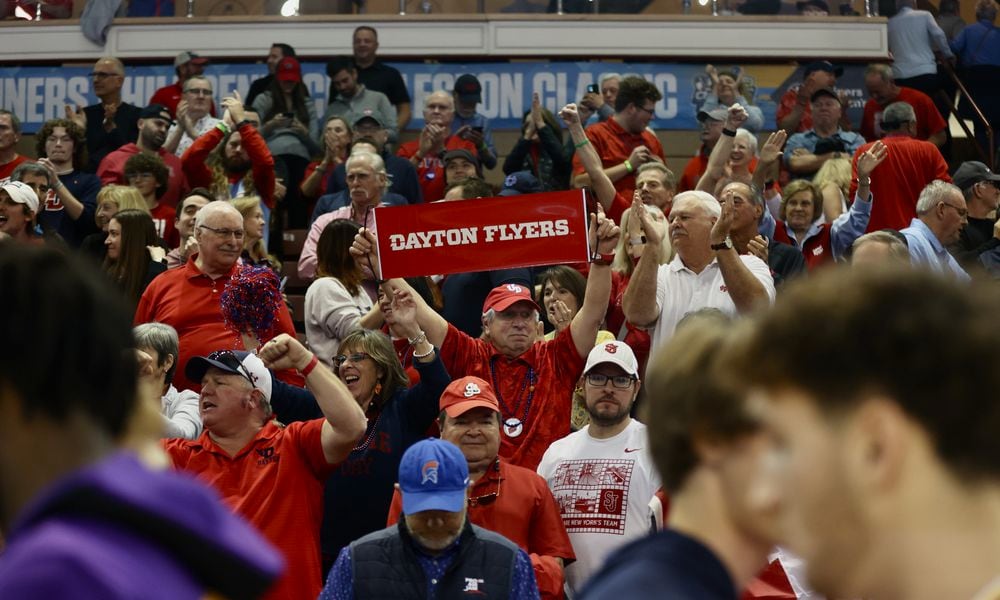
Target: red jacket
200	175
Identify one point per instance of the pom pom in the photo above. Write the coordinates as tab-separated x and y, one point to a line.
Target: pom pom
251	300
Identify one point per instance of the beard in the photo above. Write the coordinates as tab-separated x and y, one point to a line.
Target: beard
235	165
606	417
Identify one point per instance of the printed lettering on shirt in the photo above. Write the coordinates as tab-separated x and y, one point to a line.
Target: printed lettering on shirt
52	202
817	250
592	494
161	226
266	456
472	585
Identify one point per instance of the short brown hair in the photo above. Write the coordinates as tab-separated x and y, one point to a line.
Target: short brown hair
802	185
635	90
926	342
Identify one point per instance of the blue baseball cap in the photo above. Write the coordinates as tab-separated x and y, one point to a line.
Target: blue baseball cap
521	182
433	475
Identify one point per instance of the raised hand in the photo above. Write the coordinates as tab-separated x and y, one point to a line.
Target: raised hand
724	224
569	114
736	116
758	247
771	150
605	230
653	235
871	158
365	252
77	115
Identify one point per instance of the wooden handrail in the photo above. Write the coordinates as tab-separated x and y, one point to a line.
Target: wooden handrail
988	155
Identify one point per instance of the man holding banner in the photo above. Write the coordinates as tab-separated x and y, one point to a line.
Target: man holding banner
534	380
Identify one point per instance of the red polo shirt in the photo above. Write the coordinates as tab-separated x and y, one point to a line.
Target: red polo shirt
430	171
524	512
189	301
276	482
614	145
556	366
929	120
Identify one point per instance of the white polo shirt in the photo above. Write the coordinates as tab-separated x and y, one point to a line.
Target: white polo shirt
680	291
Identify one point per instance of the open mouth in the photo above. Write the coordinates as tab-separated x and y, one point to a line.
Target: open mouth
349	379
207	405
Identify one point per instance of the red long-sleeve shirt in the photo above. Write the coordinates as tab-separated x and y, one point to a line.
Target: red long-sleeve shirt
200	175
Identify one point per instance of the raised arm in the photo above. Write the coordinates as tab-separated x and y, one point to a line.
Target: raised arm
602	185
723	148
744	287
852	225
639	301
345	421
604	236
769	155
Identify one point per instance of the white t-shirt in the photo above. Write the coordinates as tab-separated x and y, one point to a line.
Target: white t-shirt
603	489
680	291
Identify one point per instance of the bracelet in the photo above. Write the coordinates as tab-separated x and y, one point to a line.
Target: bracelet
309	368
244	122
602	259
221	126
425	354
729	132
582	144
421	337
58	185
628	165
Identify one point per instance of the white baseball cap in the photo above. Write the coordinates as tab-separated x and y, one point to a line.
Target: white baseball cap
22	193
617	353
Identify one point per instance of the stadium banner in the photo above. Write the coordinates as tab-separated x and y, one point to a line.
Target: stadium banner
37	94
482	234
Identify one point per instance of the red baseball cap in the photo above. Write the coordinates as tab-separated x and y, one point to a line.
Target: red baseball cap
288	69
462	395
504	296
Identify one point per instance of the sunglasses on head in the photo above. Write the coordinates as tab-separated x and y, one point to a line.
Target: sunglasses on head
231	361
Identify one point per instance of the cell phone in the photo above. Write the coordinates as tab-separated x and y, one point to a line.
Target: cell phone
288	115
477	129
593	89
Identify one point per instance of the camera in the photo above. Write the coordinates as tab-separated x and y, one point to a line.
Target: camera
593	89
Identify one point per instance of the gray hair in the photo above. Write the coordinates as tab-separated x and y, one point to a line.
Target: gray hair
118	65
666	175
374	161
608	76
935	193
32	168
215	207
882	70
706	201
897	112
750	138
162	338
491	314
897	248
442	94
194	78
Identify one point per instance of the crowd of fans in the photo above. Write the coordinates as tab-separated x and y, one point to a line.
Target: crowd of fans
310	419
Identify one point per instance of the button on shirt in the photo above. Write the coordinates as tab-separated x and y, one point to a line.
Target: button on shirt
680	290
927	250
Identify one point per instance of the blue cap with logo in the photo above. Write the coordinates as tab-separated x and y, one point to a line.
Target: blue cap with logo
433	475
521	182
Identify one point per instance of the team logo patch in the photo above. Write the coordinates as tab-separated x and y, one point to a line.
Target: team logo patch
429	472
610	348
471	389
514	288
510	181
472	585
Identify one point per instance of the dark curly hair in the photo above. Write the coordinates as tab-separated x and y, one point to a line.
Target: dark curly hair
149	163
74	131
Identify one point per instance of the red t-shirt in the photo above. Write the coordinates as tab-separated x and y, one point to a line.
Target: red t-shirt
613	144
262	163
7	169
788	101
524	512
897	182
556	365
430	171
163	219
929	120
170	96
276	482
189	300
112	170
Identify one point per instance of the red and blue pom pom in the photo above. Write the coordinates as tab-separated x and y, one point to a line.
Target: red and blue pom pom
251	301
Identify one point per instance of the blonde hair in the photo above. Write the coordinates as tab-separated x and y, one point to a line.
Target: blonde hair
246	205
623	262
123	196
836	171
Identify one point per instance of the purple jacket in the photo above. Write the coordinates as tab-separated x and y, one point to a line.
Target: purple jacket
118	530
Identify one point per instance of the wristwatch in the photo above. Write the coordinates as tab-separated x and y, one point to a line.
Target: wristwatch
727	244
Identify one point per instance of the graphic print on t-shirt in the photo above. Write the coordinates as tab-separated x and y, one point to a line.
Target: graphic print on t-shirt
592	494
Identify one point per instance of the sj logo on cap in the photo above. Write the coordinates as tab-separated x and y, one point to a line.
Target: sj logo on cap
610	348
471	389
429	472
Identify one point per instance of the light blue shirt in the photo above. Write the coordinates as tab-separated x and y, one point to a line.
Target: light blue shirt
913	37
846	228
809	138
927	250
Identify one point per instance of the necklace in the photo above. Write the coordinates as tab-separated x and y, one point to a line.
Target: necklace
370	435
514	426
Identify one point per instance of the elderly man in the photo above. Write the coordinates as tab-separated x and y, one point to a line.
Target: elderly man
154	122
435	139
354	101
366	184
602	476
806	152
435	551
180	410
271	474
883	92
603	101
707	271
794	110
111	123
378	76
880	248
910	165
749	209
18	210
623	142
194	115
887	468
941	215
188	298
72	200
524	510
83	520
10	135
979	186
533	380
402	174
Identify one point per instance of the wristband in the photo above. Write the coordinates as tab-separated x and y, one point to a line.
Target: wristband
602	259
421	337
58	185
221	126
729	132
866	181
309	368
628	165
425	354
582	144
244	122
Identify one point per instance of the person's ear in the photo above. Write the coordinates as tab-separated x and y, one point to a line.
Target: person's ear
168	362
876	443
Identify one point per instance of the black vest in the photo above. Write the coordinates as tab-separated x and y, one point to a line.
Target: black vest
385	566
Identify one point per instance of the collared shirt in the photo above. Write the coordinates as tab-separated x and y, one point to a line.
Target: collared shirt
364	103
846	228
929	120
201	126
307	260
913	37
927	250
544	412
278	466
680	290
614	145
808	140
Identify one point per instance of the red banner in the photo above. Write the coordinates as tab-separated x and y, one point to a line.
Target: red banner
482	234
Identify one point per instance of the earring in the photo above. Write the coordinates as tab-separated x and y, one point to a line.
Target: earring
378	389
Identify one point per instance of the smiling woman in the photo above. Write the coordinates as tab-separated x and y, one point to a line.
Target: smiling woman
131	245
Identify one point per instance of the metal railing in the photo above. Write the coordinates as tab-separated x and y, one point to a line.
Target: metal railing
989	154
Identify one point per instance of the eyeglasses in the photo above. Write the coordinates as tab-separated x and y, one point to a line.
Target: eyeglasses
100	75
225	233
137	174
354	357
486	499
618	381
646	110
962	212
230	360
199	92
